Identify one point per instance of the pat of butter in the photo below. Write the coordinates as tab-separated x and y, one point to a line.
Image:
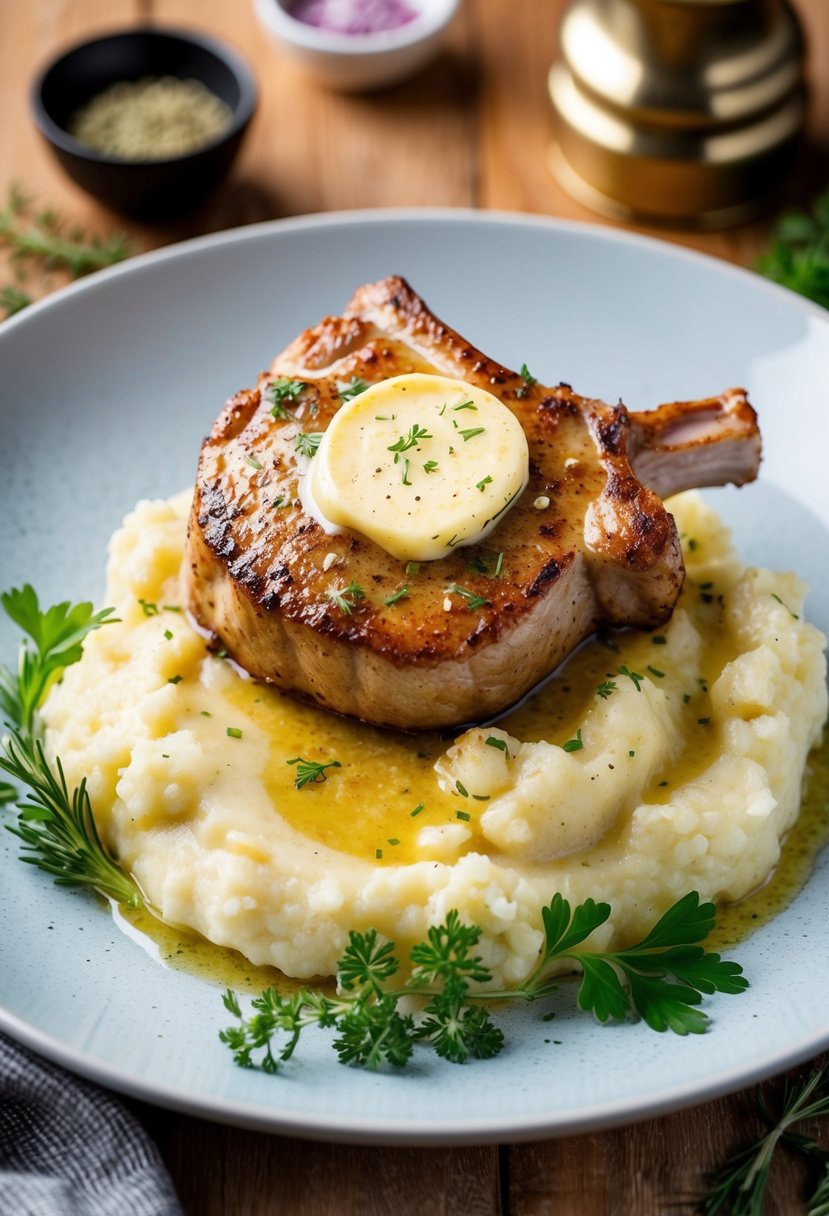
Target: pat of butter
420	464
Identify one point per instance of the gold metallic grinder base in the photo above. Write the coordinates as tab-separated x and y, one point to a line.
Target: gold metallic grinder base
681	111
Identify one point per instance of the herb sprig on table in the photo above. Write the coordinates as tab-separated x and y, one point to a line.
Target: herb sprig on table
799	253
42	243
739	1187
661	979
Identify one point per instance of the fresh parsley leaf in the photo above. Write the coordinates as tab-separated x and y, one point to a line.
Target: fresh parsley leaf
400	594
661	979
58	635
573	745
799	255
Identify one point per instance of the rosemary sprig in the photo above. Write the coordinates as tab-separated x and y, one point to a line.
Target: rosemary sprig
57	827
739	1188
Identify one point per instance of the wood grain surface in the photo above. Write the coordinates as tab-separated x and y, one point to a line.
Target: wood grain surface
472	130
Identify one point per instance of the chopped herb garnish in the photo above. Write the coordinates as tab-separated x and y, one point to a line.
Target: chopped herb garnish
175	679
471	432
500	744
282	390
253	462
392	840
606	688
205	713
168	634
473	601
703	721
400	594
412	568
573	745
346	598
793	615
463	815
481	797
529	380
660	675
233	732
284	500
465	405
430	466
462	790
307	442
632	675
355	386
309	771
415	435
378	854
631	753
421	806
149	608
481	485
659	639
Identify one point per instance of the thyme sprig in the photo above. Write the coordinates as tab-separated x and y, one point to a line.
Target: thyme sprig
40	242
660	979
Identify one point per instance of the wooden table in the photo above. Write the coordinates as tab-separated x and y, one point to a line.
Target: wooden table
471	131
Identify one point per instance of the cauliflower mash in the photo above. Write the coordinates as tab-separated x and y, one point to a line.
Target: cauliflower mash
652	765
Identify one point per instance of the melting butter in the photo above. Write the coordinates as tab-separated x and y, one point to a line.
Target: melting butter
420	464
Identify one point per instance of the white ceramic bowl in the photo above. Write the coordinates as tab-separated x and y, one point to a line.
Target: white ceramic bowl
353	62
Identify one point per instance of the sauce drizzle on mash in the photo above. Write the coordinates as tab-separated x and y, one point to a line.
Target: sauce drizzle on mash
687	778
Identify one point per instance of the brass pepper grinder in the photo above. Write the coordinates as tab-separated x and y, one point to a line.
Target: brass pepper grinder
682	111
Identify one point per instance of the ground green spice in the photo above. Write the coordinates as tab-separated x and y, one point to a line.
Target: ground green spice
151	119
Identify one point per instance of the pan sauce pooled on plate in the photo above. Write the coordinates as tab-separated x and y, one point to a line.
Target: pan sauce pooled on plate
674	763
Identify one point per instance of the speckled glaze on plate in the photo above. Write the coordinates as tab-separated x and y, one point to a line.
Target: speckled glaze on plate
108	388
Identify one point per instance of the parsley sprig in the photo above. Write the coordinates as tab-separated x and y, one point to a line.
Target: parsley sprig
309	772
660	979
55	823
799	255
57	634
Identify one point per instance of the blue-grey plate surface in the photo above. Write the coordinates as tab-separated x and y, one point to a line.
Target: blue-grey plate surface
108	389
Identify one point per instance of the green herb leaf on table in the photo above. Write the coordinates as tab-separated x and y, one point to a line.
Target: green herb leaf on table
799	253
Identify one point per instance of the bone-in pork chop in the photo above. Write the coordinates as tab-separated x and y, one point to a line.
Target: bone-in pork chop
588	543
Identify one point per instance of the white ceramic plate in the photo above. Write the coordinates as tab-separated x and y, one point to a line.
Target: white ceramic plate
107	390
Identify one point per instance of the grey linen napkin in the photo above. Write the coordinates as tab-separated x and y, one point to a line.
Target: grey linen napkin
68	1148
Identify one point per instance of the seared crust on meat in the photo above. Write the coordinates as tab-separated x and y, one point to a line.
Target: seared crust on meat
261	575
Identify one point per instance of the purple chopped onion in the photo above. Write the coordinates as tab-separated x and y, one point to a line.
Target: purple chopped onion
353	16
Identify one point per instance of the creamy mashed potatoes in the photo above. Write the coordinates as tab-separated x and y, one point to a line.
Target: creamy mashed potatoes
653	765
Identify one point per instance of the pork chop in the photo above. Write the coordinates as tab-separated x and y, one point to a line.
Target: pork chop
418	646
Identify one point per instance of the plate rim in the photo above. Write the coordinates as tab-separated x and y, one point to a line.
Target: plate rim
280	1120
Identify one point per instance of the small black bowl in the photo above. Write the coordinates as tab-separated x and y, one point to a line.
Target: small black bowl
149	189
